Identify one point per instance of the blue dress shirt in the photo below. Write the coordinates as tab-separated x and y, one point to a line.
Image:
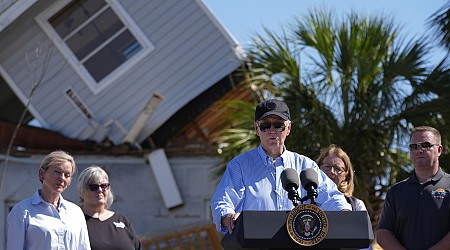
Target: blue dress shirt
36	224
252	182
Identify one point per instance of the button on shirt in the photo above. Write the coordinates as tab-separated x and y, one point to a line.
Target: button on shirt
36	224
252	182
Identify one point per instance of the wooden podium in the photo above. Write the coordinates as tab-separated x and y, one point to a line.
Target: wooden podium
267	230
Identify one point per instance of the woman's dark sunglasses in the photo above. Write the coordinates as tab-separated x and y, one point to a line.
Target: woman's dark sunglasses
95	187
265	126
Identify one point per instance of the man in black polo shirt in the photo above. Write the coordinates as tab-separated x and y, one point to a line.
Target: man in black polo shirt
416	210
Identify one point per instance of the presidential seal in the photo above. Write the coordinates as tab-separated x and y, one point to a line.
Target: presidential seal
307	224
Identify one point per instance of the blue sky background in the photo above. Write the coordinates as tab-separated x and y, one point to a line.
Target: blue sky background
244	18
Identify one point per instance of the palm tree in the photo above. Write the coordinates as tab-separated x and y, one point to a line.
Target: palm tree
354	90
440	23
436	112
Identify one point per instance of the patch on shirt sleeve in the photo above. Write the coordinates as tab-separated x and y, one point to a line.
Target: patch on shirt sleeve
439	193
121	225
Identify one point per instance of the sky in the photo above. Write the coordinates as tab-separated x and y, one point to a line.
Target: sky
244	18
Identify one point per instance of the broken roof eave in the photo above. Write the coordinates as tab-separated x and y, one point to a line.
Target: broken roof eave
10	13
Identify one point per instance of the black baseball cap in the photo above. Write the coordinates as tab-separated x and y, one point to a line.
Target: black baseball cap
272	107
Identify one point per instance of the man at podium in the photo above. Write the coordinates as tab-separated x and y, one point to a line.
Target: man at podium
252	180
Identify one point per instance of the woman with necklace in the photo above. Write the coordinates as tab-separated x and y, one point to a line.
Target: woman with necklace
46	220
107	229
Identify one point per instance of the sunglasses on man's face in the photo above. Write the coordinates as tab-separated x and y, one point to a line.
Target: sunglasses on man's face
265	126
424	145
95	187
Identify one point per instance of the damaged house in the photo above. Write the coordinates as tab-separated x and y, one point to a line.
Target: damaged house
132	86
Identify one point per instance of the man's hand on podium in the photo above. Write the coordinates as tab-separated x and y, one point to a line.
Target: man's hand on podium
229	220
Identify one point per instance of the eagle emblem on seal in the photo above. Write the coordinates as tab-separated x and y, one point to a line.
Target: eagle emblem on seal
307	225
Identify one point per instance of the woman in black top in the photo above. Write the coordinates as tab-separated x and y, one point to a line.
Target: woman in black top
108	230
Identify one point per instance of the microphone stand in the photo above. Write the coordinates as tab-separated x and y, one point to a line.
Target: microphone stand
293	196
311	195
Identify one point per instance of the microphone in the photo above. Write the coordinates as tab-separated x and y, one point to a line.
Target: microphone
309	181
290	182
